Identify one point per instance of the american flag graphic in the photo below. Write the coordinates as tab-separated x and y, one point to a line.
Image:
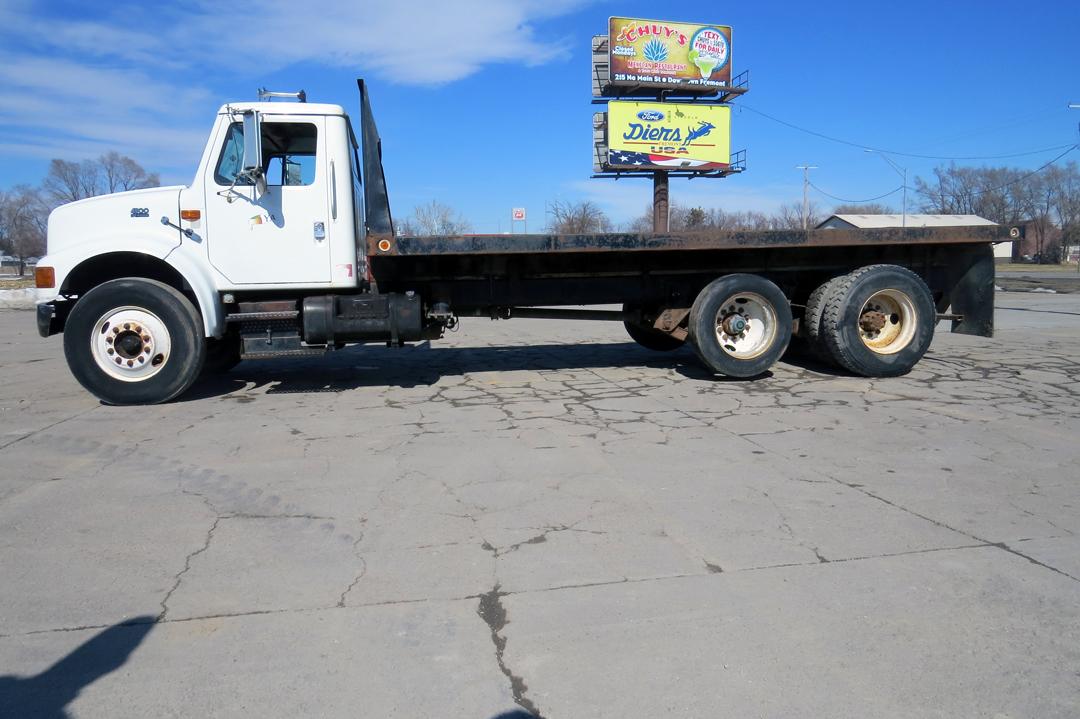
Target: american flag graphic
620	158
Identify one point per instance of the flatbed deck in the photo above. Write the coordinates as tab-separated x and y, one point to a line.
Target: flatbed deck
386	245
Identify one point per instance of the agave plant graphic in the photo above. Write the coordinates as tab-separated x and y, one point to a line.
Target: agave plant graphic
655	51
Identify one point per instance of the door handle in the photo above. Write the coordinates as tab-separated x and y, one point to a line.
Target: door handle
320	231
333	191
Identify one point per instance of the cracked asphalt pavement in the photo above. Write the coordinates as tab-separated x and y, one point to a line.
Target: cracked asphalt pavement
541	517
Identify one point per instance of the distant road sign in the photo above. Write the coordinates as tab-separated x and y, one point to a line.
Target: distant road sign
518	214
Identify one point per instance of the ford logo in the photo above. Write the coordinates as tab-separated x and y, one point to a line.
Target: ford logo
650	115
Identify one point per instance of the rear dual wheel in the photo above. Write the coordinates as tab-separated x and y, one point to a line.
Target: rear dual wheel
877	321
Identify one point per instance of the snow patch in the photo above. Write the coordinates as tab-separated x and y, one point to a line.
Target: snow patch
23	299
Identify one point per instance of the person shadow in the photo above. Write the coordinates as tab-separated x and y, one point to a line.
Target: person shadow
45	695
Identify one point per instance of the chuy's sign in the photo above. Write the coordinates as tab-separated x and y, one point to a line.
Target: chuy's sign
668	136
669	54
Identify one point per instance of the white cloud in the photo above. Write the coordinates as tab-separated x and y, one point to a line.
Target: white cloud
65	108
134	78
409	41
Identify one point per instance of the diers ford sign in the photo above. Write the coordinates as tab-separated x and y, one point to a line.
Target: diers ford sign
668	136
669	54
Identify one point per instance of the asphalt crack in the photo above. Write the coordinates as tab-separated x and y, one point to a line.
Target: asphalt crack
492	611
187	566
355	581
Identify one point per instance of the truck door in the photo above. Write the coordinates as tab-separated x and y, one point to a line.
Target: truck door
280	235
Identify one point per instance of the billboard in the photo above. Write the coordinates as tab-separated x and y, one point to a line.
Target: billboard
668	136
678	55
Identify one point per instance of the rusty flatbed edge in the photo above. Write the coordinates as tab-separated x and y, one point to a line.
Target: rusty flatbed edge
709	240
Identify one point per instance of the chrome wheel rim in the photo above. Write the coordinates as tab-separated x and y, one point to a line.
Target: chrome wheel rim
746	325
887	321
130	344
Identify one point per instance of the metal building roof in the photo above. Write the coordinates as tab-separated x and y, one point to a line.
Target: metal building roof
869	222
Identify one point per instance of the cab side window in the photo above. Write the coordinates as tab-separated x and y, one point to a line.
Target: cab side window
288	154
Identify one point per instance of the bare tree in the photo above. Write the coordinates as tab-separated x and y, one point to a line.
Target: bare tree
1067	206
866	208
790	217
714	218
577	218
1047	200
435	218
678	219
23	220
120	173
70	181
112	172
997	193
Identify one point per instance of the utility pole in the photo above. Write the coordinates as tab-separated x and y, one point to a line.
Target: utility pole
1075	106
805	193
902	171
660	202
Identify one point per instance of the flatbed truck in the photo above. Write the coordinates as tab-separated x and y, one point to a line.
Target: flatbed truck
284	245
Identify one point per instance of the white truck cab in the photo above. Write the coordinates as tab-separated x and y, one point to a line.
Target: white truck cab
275	205
297	223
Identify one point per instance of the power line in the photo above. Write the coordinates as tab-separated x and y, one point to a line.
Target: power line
1024	177
974	192
862	146
845	199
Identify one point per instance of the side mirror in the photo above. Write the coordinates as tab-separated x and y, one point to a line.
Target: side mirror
252	143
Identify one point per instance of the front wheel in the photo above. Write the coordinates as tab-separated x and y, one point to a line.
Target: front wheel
134	341
740	325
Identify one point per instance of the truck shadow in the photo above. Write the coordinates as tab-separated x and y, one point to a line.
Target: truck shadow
423	365
47	694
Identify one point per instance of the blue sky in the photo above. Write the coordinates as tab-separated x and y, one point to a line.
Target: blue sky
485	104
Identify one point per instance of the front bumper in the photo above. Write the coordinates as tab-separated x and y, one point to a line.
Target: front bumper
51	317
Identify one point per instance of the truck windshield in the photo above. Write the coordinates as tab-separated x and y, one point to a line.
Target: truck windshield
289	154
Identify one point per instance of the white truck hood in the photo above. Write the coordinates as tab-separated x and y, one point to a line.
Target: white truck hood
137	212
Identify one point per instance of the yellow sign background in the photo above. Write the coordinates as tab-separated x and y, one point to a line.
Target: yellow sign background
673	136
673	54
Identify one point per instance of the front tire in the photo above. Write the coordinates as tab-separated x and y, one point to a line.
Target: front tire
740	325
134	341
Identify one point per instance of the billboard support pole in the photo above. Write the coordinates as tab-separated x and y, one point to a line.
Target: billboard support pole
660	202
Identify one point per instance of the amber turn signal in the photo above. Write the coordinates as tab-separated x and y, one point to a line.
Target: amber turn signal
384	245
44	277
190	215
